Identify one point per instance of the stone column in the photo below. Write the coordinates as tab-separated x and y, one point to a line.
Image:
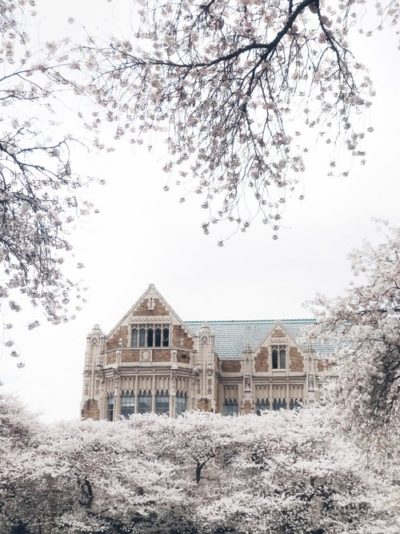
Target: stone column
153	393
136	389
117	400
172	395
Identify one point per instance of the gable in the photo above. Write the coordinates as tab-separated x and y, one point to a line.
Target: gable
151	307
231	337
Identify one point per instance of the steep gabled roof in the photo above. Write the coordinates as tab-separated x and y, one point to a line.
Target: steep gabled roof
231	337
150	291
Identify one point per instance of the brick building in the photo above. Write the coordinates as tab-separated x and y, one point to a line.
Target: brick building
152	361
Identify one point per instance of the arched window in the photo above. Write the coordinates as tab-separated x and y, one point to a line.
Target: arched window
162	402
291	404
144	404
284	404
275	405
127	404
110	407
230	407
180	403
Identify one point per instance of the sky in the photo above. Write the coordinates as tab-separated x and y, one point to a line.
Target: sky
143	235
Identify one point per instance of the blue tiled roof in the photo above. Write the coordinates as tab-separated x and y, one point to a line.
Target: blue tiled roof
231	337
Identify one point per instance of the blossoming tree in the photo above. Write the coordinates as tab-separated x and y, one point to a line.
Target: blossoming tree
281	472
365	324
233	86
39	199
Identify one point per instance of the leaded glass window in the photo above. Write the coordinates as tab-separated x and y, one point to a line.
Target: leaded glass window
230	407
144	402
165	337
180	403
158	337
134	340
278	357
262	405
149	335
162	402
110	408
127	404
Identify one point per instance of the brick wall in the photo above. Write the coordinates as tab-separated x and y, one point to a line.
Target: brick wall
261	361
296	360
120	334
91	410
130	356
183	357
142	309
161	356
231	366
180	338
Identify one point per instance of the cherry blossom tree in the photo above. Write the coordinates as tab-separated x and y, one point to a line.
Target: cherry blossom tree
282	472
39	190
365	324
232	86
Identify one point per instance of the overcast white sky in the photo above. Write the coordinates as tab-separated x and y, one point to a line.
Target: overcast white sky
144	235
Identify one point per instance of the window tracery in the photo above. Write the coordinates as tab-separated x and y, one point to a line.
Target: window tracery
180	402
162	402
127	403
150	335
278	357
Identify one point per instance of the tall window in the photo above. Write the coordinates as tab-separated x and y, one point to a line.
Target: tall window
110	408
279	404
149	335
165	342
127	404
278	357
158	337
262	405
144	404
142	337
162	402
180	403
230	407
134	337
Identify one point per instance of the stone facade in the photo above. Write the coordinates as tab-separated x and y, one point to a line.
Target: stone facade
152	361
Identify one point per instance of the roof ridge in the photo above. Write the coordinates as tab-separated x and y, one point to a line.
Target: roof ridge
308	319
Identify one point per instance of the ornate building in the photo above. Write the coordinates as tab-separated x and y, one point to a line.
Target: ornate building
152	361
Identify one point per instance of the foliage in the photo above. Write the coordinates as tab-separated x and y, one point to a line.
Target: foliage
39	201
279	473
233	86
365	323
